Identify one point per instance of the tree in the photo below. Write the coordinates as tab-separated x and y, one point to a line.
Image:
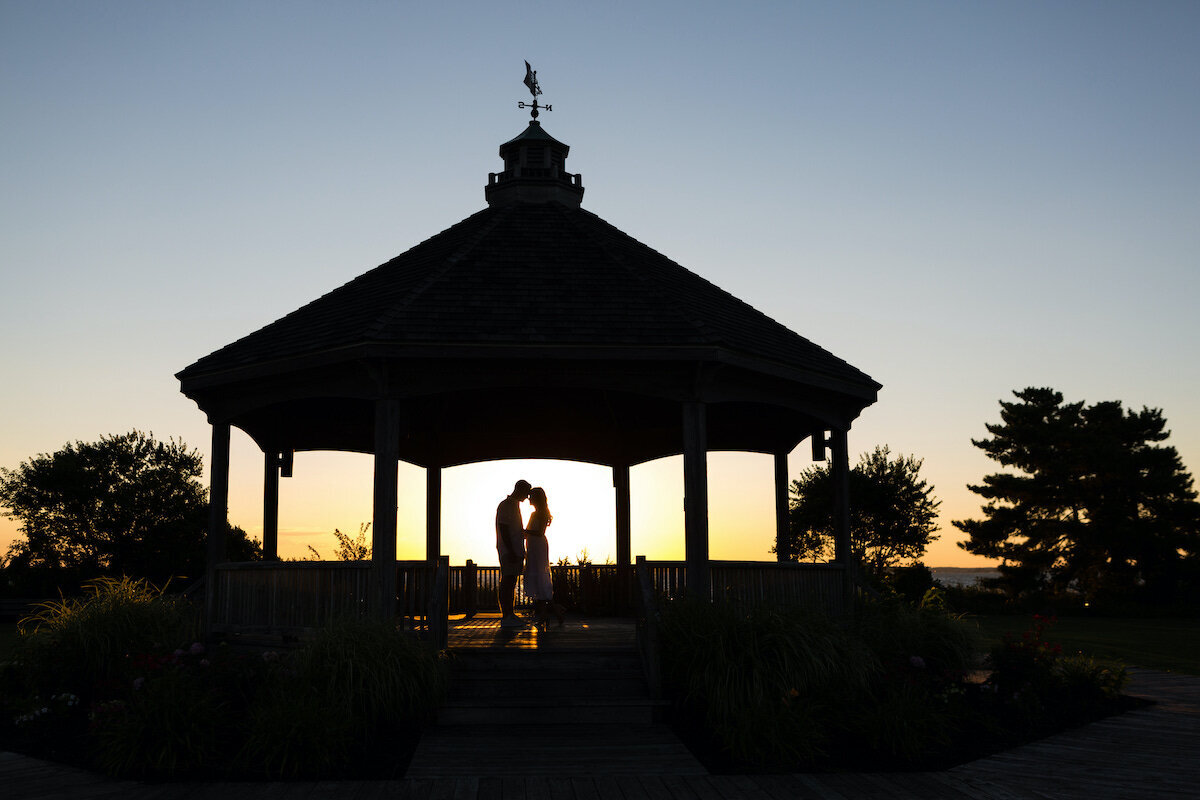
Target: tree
124	504
356	549
1091	502
893	513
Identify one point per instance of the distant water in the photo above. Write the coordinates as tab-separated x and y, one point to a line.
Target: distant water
962	576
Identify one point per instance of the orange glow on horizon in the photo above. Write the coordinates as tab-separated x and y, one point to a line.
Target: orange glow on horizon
334	490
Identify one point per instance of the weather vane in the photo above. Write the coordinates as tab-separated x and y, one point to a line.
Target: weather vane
531	81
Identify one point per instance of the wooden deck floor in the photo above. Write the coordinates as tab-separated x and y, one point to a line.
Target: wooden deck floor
576	633
1149	753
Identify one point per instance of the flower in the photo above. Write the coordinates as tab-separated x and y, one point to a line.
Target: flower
196	649
138	683
917	662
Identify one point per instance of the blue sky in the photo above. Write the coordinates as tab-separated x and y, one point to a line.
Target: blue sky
961	199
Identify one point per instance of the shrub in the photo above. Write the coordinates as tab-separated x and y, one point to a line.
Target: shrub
1084	683
385	677
168	727
295	730
79	644
897	633
353	679
896	722
1027	664
763	680
910	582
1039	685
111	680
790	689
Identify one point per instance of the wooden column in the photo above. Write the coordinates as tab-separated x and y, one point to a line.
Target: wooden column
218	516
695	499
433	514
840	473
781	501
271	506
383	525
621	484
218	494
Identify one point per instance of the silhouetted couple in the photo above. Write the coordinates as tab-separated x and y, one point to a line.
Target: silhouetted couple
525	551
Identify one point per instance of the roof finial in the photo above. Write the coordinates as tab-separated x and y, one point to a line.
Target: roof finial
531	81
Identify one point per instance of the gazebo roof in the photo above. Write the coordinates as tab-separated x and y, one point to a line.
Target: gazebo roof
536	275
538	293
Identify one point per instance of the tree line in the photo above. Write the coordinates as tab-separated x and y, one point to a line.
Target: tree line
1089	501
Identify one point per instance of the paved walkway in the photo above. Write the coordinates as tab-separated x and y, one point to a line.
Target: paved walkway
1153	752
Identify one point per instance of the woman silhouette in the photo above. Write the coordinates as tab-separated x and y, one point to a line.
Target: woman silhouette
538	585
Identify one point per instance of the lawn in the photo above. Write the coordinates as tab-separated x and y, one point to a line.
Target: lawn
1166	644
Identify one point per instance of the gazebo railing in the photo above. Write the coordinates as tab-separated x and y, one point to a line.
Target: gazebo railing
778	583
289	598
293	597
591	588
607	588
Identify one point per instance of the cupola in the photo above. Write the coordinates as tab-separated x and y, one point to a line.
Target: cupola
535	171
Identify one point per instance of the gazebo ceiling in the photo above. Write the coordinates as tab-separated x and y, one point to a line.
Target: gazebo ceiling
530	329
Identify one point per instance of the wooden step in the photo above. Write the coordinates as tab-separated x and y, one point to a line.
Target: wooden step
551	749
523	711
548	688
543	660
604	686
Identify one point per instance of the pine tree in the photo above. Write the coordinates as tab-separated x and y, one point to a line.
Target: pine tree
1090	501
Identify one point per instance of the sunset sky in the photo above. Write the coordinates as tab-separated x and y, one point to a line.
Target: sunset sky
960	199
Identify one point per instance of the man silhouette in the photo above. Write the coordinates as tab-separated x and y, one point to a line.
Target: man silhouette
510	545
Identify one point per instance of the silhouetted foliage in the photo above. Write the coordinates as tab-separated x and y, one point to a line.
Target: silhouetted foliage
126	504
356	549
1091	503
911	582
893	513
119	680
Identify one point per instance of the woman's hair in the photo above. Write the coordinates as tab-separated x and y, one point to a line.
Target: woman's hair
537	498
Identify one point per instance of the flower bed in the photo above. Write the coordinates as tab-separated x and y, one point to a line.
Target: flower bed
757	689
118	682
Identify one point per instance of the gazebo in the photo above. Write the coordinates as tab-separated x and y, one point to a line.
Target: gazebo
531	309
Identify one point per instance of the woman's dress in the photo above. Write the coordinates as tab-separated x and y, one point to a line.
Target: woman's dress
538	585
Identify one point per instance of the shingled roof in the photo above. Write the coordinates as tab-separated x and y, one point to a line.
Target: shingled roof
531	274
532	279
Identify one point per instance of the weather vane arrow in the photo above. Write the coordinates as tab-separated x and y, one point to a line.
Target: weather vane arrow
531	83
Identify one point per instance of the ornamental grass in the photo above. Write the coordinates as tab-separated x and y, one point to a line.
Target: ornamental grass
118	681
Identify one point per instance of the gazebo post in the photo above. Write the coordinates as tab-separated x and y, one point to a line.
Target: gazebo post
270	506
433	514
383	525
621	485
218	512
623	527
843	553
781	498
695	498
